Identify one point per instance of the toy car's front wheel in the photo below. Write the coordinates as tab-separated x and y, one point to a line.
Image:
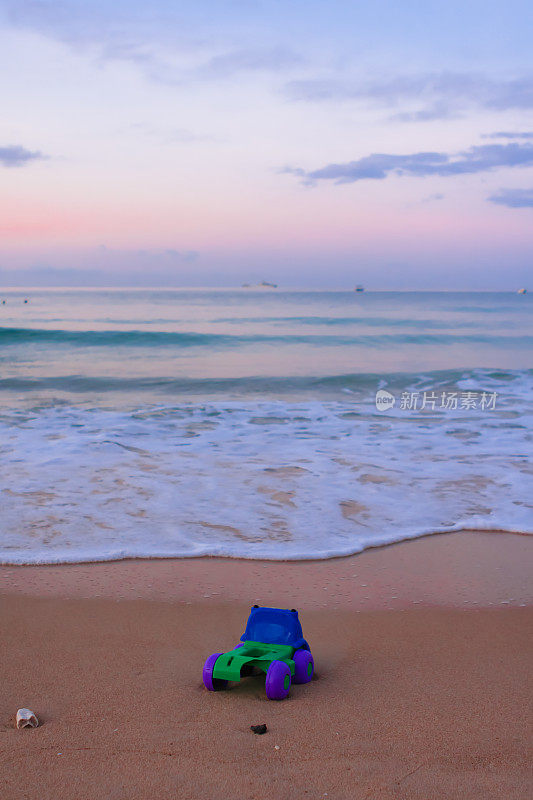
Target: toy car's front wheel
304	666
213	684
278	680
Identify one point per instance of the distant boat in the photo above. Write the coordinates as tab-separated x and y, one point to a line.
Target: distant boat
359	288
522	291
263	284
271	285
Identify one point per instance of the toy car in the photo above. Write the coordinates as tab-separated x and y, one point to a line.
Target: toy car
272	642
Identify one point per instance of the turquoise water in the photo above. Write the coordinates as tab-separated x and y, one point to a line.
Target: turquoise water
244	422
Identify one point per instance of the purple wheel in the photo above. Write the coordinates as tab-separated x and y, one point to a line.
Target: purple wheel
304	666
213	684
278	681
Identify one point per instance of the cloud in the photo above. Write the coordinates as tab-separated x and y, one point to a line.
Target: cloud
377	166
223	66
143	257
48	275
438	110
441	94
61	20
239	61
508	135
513	198
188	256
431	197
114	34
107	266
14	155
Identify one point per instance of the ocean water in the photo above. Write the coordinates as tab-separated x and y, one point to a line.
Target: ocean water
244	422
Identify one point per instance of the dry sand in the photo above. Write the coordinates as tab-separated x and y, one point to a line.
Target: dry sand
425	699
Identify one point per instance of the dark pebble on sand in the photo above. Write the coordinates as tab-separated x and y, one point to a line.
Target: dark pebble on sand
258	728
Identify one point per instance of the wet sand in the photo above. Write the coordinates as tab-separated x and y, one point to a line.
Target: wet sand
421	686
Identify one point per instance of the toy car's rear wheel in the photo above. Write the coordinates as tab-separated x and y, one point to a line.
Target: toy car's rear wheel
304	666
213	684
278	680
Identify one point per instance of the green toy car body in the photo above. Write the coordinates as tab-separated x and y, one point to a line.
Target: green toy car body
229	666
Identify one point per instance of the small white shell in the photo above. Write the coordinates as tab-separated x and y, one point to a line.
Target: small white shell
26	718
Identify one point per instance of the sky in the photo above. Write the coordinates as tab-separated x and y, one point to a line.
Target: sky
318	144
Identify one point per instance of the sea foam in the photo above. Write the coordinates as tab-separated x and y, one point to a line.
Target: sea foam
273	480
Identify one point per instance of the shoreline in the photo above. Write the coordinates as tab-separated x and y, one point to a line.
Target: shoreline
458	569
378	546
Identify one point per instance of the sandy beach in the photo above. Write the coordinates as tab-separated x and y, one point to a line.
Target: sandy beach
266	347
422	664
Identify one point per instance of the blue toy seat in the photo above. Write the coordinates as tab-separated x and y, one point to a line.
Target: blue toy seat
274	626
